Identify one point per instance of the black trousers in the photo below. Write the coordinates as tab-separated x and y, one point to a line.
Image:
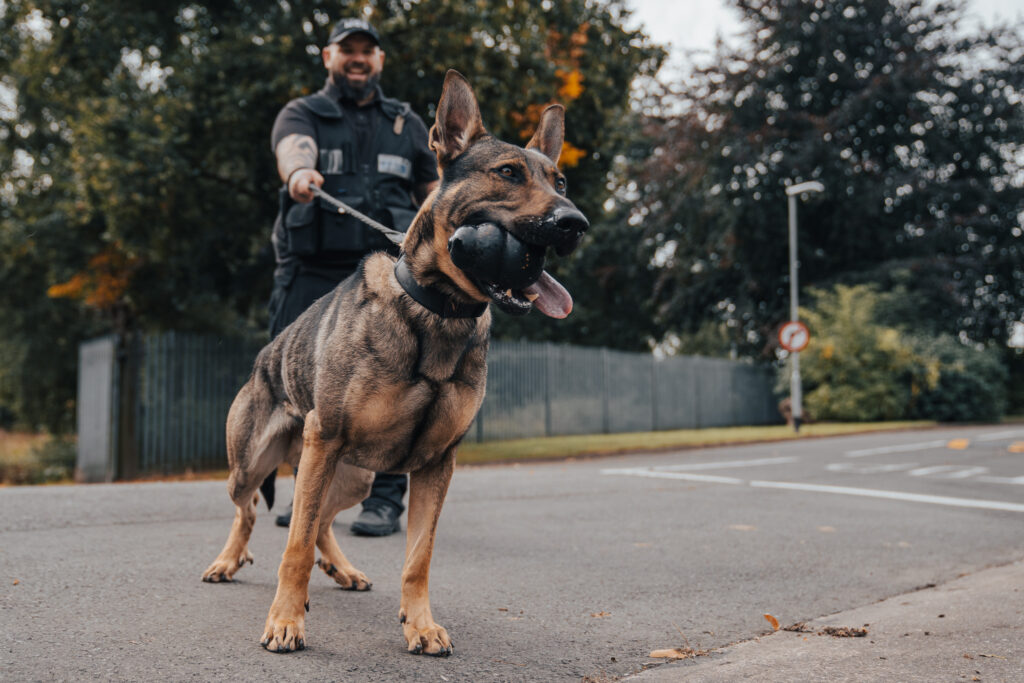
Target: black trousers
292	295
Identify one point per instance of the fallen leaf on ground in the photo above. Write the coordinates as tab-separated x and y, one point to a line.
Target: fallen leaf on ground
958	444
844	632
503	609
773	621
16	582
600	615
1016	447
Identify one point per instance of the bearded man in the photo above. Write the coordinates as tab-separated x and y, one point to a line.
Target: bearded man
369	151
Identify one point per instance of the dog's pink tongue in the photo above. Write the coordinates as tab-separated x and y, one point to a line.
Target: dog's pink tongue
552	299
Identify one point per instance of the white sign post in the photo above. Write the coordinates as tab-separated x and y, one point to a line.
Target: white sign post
796	397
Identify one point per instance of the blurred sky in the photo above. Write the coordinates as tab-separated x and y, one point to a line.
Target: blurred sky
694	24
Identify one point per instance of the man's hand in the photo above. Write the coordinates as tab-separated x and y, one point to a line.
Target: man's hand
298	184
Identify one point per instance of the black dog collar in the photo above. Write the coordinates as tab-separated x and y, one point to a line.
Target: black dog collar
433	299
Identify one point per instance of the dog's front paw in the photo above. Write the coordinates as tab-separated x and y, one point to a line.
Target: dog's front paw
348	577
284	635
223	568
425	637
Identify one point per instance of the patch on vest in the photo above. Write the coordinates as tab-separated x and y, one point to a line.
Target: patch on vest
394	165
331	161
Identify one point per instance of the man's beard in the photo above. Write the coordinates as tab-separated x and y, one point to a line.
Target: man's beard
353	93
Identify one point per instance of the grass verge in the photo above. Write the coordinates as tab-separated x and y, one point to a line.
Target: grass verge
557	447
27	458
38	458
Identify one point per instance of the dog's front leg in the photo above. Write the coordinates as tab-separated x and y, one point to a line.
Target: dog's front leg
285	628
427	489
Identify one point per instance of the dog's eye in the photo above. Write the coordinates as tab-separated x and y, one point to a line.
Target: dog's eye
560	184
507	171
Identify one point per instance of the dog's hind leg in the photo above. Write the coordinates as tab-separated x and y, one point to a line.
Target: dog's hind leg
427	489
246	475
285	629
351	486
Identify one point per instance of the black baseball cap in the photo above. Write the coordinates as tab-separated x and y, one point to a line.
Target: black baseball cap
346	27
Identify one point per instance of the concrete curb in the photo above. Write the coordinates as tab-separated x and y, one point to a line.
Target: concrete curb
970	629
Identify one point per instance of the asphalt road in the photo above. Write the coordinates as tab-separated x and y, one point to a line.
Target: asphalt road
542	572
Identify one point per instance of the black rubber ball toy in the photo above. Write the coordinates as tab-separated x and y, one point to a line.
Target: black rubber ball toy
490	254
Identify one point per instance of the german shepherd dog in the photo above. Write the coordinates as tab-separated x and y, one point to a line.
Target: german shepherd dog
386	373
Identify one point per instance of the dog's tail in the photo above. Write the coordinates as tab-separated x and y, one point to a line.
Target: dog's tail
267	488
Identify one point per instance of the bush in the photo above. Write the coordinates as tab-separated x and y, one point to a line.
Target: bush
971	384
854	369
857	369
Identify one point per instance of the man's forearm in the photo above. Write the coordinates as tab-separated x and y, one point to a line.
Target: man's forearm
294	152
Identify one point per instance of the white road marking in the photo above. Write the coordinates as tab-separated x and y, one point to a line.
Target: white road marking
822	488
964	473
996	436
1003	480
921	446
727	464
923	471
856	468
892	495
655	474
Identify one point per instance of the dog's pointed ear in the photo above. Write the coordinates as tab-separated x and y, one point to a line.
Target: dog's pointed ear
550	133
458	121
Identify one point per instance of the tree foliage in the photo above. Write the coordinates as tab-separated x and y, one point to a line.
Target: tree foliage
913	125
137	179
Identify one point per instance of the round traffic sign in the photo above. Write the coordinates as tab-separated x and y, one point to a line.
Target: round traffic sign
794	336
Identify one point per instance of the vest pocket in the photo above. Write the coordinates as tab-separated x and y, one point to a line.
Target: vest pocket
301	226
342	232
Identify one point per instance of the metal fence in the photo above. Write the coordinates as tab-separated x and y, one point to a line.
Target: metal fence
174	390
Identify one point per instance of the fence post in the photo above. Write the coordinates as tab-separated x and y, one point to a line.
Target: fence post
97	405
654	393
548	363
128	371
605	416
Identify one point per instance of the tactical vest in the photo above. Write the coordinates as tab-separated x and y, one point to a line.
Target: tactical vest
379	186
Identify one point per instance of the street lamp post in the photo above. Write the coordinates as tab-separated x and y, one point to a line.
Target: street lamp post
795	393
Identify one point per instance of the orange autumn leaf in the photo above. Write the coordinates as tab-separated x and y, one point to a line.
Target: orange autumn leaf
773	621
571	155
102	283
572	84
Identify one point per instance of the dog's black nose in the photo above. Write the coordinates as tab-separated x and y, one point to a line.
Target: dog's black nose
570	220
571	224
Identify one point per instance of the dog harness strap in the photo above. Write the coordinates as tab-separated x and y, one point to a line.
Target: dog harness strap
433	299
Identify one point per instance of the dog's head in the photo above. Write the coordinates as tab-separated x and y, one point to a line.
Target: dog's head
499	207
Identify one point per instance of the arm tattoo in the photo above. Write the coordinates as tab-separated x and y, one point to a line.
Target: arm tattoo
294	152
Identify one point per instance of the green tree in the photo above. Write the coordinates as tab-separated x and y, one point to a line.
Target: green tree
912	124
135	167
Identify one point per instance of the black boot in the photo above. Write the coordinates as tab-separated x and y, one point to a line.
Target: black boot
377	520
285	518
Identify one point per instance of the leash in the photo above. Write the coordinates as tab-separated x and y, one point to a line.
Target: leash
395	236
430	298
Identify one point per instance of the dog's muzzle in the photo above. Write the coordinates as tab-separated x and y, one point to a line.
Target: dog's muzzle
511	271
488	253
